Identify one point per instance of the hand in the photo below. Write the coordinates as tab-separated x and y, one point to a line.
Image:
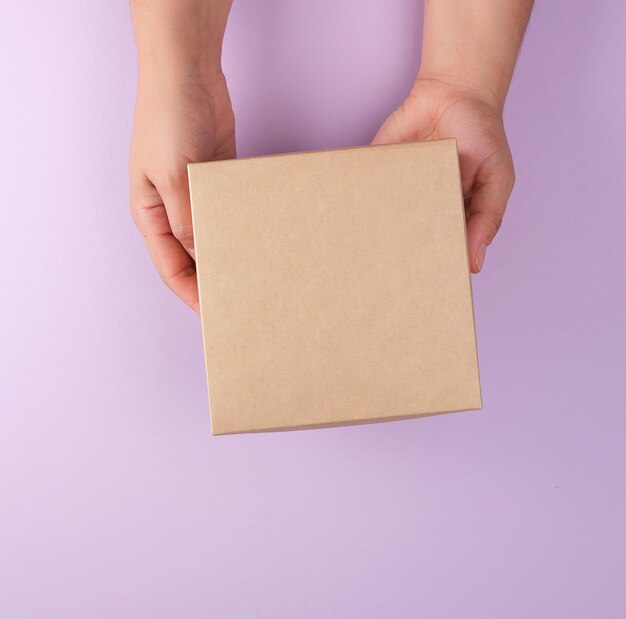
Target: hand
437	109
175	124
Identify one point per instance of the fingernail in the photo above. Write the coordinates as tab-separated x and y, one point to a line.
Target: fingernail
192	252
480	256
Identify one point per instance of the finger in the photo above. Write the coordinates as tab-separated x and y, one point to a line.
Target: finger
175	266
486	211
175	195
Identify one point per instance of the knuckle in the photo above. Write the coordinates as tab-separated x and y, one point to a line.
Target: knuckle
170	181
511	178
183	233
509	175
496	222
135	208
171	280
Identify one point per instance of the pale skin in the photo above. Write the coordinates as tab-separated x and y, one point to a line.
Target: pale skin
183	114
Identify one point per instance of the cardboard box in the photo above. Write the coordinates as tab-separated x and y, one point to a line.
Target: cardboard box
334	287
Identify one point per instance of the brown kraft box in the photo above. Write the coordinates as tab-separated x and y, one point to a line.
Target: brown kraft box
334	287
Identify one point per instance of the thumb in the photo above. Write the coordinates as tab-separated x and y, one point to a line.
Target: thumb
394	129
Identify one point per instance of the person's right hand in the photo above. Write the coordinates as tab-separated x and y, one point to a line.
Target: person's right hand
175	124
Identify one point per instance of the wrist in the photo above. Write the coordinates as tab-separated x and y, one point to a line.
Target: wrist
179	63
465	85
183	75
179	43
474	45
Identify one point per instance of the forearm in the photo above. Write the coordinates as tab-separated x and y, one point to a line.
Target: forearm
179	40
474	43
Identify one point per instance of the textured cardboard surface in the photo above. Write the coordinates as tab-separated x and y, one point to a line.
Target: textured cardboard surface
334	287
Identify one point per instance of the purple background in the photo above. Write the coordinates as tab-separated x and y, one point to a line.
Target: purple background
115	501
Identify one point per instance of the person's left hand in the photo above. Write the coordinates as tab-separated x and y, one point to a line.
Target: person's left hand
437	109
